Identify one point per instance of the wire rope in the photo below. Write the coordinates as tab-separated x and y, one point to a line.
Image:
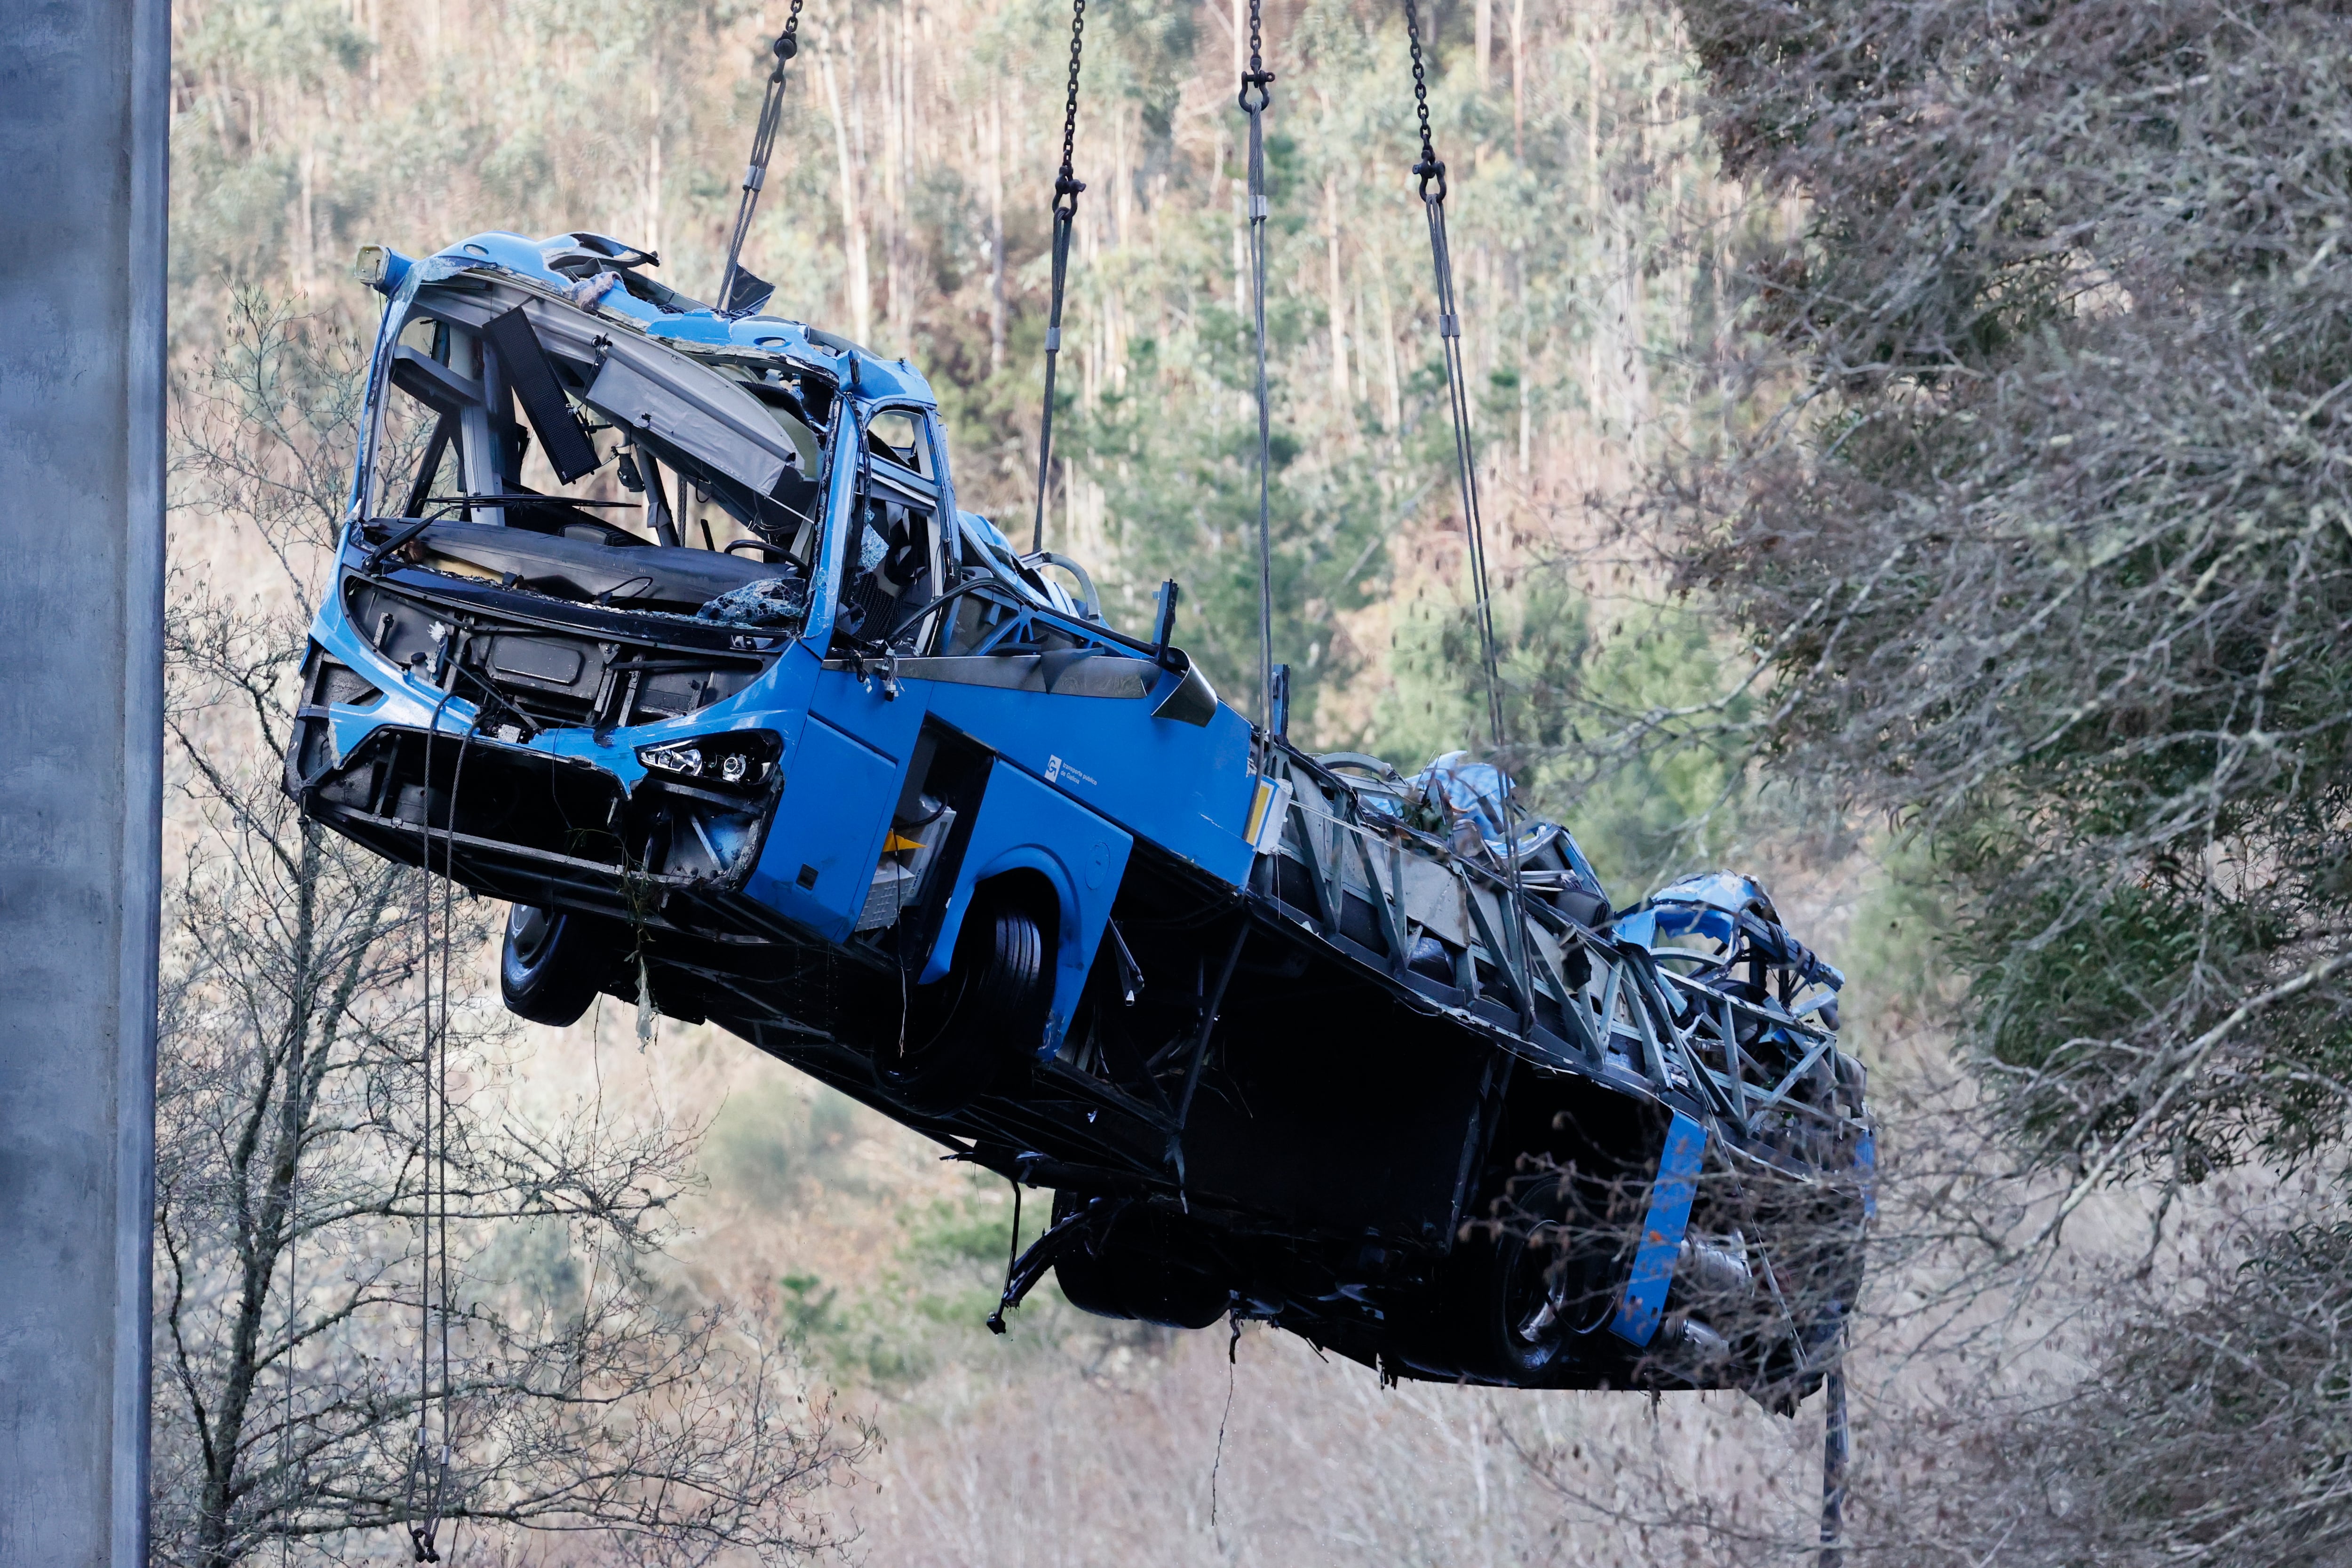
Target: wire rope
1256	96
1430	173
1066	186
763	143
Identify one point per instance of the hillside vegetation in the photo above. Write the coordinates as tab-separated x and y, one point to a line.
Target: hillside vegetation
1915	446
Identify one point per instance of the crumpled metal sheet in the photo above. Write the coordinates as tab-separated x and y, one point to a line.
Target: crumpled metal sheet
1463	802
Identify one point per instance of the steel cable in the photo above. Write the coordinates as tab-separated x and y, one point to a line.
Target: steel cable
1066	186
763	142
1256	96
1431	173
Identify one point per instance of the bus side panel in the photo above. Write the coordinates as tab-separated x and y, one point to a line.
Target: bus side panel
819	860
1185	787
1025	826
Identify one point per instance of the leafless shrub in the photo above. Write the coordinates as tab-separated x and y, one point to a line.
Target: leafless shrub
2049	552
2039	536
306	1351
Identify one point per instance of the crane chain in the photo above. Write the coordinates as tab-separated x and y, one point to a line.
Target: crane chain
1430	167
1257	76
1430	173
1066	186
1256	96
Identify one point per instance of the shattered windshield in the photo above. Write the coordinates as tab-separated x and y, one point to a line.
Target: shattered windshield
552	451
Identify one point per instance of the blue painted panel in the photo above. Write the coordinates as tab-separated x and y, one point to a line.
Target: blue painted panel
838	791
824	578
1662	1233
1024	825
1185	787
888	725
1641	926
1865	1159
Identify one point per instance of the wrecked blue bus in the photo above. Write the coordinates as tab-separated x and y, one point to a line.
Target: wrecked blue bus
663	626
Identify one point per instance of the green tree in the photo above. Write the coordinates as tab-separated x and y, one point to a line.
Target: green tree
2048	553
2053	561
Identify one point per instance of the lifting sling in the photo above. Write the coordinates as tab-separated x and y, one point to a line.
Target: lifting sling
1431	173
739	292
1256	96
1066	186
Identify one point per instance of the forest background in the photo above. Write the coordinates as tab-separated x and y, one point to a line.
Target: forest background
1779	322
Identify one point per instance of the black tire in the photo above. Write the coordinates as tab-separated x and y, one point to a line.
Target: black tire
1497	1313
970	1032
1141	1270
552	964
1505	1307
1091	1284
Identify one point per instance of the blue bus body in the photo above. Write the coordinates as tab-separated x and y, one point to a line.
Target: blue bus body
1292	1037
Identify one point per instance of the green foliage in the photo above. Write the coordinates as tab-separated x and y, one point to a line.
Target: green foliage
1185	500
1648	797
2066	998
1895	953
2058	573
930	1303
1673	799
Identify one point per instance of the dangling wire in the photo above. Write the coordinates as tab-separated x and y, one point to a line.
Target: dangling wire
1431	171
441	1099
422	1523
428	1469
1256	96
294	1086
1836	1447
755	172
1067	187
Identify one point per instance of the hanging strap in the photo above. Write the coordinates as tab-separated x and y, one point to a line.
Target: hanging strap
425	1497
1256	96
1011	1266
755	175
1836	1447
1067	187
1431	173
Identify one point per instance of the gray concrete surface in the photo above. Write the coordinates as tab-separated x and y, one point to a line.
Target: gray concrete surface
84	113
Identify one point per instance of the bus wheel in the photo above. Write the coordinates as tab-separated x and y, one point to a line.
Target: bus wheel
1516	1291
966	1033
551	964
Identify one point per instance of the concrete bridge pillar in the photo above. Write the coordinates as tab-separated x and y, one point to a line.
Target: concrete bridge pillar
84	114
